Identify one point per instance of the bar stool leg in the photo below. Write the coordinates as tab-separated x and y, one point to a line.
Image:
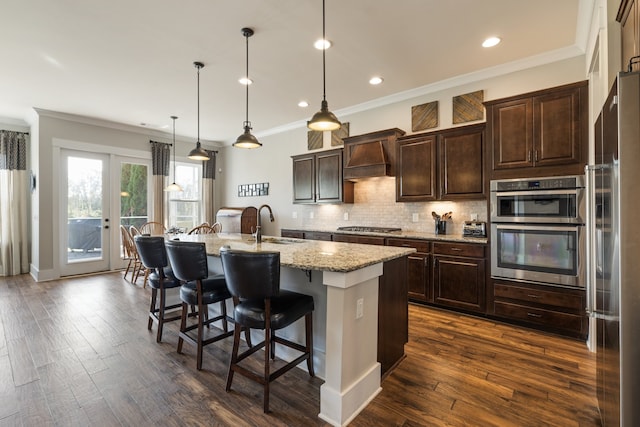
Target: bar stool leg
152	307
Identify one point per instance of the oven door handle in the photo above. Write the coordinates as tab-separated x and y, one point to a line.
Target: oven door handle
542	227
538	192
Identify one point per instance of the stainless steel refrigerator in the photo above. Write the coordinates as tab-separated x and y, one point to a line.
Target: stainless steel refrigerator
614	255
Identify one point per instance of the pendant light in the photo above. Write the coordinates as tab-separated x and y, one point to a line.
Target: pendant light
247	140
324	119
198	153
173	186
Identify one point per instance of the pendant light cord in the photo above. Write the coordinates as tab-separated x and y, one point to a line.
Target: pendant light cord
324	48
246	121
174	147
199	67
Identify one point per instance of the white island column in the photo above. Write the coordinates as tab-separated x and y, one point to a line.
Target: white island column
352	369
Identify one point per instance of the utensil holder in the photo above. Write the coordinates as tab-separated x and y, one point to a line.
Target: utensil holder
441	227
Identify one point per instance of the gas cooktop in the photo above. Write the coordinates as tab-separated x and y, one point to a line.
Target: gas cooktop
369	229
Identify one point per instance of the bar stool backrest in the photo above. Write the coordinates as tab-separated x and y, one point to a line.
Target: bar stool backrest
251	275
188	260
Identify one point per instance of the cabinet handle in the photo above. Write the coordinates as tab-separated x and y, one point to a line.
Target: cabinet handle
533	296
535	157
456	249
529	156
537	316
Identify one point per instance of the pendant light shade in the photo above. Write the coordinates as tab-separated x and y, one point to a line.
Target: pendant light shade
173	186
324	119
247	140
198	153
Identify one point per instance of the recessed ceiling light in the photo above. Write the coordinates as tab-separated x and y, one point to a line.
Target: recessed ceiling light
491	41
303	104
376	80
245	81
322	44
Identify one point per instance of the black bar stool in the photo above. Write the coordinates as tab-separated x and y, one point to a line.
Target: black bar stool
253	278
189	263
153	256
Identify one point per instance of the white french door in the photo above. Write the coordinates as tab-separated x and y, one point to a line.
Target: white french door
98	193
85	214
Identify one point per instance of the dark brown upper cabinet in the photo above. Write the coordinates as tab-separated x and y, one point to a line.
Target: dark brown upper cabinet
539	133
442	165
317	178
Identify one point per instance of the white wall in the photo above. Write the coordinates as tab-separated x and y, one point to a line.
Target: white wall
374	199
52	130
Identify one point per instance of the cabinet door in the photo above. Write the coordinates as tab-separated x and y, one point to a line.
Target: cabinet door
416	175
556	128
418	280
459	282
461	164
329	177
304	179
511	123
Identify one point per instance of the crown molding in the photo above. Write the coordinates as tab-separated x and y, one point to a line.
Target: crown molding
152	133
461	80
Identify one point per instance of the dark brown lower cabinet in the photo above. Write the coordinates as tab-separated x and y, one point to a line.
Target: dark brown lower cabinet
418	268
559	310
459	276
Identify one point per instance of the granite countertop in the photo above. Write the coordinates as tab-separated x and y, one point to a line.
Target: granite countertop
407	234
303	254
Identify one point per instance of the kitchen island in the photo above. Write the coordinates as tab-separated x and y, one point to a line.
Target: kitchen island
343	280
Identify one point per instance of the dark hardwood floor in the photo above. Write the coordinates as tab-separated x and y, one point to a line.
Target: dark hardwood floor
77	352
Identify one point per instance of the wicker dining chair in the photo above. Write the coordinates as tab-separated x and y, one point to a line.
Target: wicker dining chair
130	253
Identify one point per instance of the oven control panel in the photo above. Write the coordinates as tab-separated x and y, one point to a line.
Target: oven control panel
551	183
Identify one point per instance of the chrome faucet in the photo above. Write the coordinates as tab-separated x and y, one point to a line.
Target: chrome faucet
259	223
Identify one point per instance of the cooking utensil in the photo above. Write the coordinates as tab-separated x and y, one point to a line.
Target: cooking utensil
435	216
446	216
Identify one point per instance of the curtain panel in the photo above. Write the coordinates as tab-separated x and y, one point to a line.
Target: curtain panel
208	188
160	157
14	193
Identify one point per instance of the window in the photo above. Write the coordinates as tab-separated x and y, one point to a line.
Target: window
185	206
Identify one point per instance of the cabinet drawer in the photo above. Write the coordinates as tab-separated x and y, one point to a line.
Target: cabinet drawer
528	295
318	235
350	238
458	249
292	233
419	245
550	318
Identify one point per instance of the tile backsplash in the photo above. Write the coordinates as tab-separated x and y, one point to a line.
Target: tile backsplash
375	205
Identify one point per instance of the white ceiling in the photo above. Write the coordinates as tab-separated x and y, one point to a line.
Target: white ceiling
132	61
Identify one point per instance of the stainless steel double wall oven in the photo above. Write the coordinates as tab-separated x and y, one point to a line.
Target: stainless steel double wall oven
538	230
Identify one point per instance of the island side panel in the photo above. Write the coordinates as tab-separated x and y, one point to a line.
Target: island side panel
352	370
393	314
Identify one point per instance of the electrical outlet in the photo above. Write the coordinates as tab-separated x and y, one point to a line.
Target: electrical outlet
310	215
359	308
294	215
474	217
345	216
415	217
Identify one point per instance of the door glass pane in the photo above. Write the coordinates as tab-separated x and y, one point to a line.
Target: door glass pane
133	194
84	209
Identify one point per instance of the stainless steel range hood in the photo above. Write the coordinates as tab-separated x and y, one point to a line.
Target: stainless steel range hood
371	155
